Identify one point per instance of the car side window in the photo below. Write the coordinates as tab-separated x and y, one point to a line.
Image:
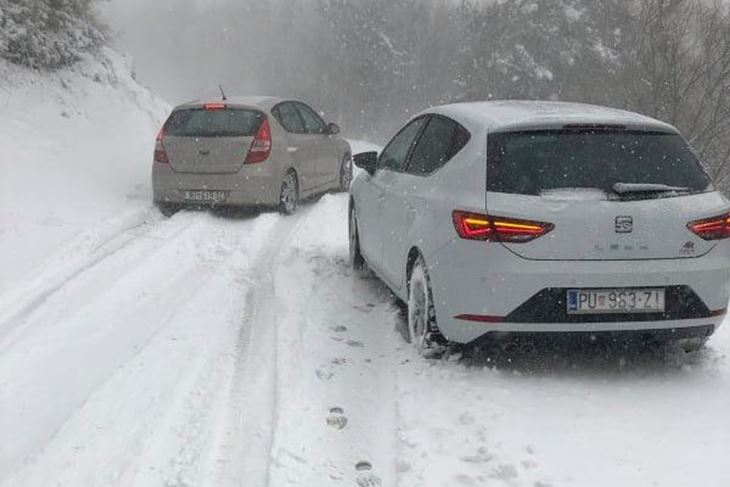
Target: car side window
441	140
313	123
395	155
289	118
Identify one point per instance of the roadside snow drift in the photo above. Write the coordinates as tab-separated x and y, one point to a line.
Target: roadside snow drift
76	148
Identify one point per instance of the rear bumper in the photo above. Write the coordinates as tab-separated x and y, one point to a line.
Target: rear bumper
251	186
481	288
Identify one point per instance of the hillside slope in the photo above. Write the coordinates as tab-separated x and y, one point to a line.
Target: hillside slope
76	146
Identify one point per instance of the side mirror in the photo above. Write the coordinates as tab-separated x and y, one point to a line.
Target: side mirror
333	128
367	161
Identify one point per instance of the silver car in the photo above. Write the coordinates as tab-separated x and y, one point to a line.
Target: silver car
247	152
504	219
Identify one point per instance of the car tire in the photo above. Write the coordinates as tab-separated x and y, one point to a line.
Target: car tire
168	209
345	174
357	261
289	195
423	331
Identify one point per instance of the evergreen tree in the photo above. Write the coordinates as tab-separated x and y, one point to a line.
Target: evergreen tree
47	34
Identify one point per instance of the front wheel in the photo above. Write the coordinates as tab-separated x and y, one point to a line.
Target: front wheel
345	174
357	261
289	196
167	209
423	332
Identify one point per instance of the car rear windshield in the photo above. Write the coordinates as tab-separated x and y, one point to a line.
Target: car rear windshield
199	122
535	162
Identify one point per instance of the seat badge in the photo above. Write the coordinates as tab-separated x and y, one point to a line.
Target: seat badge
624	224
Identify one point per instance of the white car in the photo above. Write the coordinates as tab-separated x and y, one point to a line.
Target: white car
503	218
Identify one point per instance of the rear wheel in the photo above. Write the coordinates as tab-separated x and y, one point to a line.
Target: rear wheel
357	261
346	174
168	209
289	196
423	332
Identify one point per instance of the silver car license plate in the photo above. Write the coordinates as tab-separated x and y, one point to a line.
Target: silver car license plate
206	196
602	301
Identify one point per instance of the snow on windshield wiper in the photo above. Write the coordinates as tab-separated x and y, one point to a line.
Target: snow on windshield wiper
629	188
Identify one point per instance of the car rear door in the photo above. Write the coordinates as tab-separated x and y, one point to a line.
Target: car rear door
302	148
415	192
327	152
210	139
588	184
374	227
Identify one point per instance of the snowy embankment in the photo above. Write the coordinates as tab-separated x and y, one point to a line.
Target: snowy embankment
76	147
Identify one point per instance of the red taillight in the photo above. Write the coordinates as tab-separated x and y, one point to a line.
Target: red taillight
474	226
261	145
716	228
160	154
214	107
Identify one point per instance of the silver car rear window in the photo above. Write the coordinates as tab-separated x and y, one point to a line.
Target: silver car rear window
199	122
535	162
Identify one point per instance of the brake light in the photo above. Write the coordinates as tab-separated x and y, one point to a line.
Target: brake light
261	146
715	228
214	107
474	226
160	154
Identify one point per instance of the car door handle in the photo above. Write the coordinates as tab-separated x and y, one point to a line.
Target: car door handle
292	150
380	198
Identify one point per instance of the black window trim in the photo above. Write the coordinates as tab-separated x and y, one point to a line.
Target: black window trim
276	109
410	151
431	116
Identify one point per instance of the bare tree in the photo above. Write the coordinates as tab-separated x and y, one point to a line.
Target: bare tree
679	71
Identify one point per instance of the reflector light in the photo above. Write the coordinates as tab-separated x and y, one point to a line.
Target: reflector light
715	228
261	145
474	226
160	154
480	318
214	107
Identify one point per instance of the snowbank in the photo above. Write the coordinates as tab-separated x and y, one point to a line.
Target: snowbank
76	147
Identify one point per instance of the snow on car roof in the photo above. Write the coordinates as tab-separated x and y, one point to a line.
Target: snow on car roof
509	115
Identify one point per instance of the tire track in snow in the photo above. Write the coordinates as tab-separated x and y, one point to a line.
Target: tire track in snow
245	441
80	256
146	291
336	415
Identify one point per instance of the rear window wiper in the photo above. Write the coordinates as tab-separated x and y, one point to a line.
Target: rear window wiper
647	188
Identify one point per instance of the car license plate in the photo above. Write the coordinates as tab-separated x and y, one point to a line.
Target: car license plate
205	196
602	301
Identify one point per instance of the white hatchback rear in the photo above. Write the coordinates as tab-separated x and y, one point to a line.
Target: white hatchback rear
545	217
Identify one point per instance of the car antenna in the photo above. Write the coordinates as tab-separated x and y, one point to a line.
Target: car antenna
223	93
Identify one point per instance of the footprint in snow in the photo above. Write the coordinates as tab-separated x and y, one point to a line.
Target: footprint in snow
339	329
337	418
504	472
367	479
355	344
326	372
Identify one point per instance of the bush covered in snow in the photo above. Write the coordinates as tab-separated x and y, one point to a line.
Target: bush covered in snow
47	34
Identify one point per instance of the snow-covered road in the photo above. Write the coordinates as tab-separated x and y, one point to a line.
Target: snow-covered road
222	350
